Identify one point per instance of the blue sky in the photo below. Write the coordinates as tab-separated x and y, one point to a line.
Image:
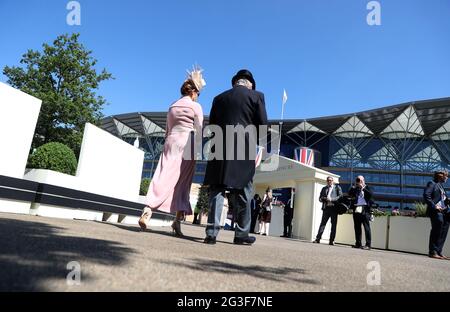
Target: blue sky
322	51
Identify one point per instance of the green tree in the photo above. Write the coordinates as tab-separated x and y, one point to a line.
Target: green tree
145	183
64	77
203	200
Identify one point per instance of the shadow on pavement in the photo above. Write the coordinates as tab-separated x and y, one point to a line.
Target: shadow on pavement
167	232
277	274
32	253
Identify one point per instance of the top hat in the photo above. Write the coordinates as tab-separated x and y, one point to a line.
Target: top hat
246	74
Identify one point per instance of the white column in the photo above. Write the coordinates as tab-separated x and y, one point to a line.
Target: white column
307	209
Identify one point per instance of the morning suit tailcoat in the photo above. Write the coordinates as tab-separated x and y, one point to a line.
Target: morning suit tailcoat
237	106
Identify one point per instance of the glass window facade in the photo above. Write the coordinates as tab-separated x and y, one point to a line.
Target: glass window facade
395	148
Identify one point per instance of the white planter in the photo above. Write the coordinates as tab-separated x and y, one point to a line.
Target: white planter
345	233
14	206
64	213
62	180
411	235
52	177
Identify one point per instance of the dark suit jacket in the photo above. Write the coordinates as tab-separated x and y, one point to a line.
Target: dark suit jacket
432	195
336	193
237	106
353	193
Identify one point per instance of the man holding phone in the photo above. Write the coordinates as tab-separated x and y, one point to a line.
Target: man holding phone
361	202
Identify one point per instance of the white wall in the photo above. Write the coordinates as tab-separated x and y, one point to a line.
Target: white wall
109	166
18	117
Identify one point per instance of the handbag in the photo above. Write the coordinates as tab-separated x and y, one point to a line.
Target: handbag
341	208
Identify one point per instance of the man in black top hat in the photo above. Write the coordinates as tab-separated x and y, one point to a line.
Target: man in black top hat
437	202
239	106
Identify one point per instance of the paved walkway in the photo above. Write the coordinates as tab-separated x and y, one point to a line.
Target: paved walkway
34	253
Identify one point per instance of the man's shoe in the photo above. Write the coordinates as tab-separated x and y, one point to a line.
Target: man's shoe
210	240
283	235
356	246
316	241
444	257
435	256
331	243
244	240
366	247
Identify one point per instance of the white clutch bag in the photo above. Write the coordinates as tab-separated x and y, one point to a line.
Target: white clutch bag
358	209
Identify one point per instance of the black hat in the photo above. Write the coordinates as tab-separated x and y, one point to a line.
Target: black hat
246	74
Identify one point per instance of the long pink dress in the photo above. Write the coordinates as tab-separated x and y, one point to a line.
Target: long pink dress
171	184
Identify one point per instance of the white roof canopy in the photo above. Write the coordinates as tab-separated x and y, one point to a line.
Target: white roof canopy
407	125
150	127
305	127
353	128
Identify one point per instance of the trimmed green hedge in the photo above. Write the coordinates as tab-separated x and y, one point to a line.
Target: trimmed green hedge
54	156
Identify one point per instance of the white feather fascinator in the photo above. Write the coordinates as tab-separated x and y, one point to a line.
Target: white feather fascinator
196	76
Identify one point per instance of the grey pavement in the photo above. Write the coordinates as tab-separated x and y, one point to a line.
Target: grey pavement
35	251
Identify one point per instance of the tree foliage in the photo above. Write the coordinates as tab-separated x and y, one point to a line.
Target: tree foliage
203	200
64	77
145	183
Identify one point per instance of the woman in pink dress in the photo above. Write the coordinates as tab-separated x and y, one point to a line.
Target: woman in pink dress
171	183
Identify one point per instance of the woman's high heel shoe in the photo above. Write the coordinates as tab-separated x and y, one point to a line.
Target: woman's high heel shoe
145	218
176	227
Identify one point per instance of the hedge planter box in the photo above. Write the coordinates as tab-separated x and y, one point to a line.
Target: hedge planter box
411	235
345	233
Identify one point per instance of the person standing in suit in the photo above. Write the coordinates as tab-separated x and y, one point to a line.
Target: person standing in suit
329	196
361	199
288	216
255	207
437	202
240	108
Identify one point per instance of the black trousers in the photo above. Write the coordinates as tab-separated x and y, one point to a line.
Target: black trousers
364	220
254	219
328	212
287	226
438	234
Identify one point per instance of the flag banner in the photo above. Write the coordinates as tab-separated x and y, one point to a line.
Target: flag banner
285	97
304	155
259	153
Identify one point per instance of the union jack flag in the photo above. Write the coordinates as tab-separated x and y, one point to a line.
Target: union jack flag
304	155
259	152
